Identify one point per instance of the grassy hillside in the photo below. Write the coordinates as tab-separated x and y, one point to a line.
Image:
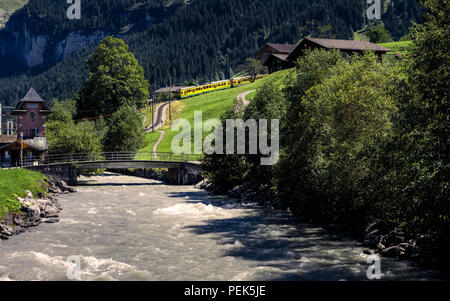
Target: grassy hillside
12	4
212	105
401	47
13	183
7	8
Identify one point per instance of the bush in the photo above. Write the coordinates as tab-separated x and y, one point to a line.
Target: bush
341	121
124	131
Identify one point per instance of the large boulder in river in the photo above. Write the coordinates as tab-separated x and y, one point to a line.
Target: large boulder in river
5	231
64	187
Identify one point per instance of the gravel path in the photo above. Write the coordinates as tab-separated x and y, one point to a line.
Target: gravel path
243	96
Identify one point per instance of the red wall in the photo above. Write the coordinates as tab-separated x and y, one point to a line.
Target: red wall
26	123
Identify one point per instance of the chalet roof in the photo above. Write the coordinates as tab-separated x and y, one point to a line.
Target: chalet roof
278	48
343	45
282	57
348	44
282	48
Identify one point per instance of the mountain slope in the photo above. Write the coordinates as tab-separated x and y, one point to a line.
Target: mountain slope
40	34
204	39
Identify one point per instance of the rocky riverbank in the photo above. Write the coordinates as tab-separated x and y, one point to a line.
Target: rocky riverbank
377	236
35	210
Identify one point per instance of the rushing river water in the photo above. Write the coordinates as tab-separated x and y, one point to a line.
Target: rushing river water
127	228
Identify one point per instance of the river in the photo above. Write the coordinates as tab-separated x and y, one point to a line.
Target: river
128	228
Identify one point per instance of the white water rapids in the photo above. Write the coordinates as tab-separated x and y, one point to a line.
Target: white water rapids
128	228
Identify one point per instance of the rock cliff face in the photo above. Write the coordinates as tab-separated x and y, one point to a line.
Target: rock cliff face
21	48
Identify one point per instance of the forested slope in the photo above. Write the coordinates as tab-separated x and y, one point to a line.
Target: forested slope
204	39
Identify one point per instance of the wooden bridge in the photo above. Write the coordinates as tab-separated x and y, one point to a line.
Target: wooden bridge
183	169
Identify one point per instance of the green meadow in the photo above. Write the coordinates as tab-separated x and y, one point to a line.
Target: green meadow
212	105
12	4
401	47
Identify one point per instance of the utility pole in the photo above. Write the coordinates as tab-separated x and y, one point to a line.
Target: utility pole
170	98
21	149
153	122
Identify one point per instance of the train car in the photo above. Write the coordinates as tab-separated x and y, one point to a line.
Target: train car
197	90
186	92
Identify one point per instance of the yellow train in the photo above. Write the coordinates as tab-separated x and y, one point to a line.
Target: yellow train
186	92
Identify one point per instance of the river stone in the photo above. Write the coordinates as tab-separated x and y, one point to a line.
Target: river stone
393	238
368	251
64	187
33	211
50	220
26	222
50	211
395	251
6	230
54	189
41	203
372	239
29	194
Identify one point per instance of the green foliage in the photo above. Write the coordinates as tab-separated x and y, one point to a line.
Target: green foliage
402	47
13	183
341	120
253	68
379	34
115	79
70	138
62	111
66	137
212	105
363	139
226	171
124	131
423	131
400	15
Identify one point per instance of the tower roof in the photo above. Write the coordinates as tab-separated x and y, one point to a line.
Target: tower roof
32	96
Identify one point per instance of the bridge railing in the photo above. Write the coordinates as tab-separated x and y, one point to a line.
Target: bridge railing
120	156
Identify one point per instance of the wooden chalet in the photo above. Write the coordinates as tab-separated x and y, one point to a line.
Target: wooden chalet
274	56
278	57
